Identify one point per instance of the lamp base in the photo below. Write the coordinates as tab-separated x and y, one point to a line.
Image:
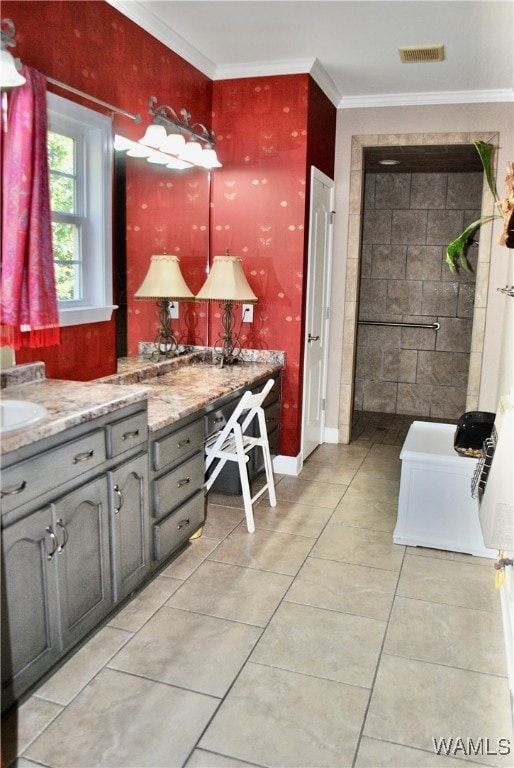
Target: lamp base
165	344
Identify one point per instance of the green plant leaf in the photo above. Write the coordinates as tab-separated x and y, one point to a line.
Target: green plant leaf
455	256
486	152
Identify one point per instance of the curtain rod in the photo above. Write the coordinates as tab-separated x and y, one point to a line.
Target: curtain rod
136	118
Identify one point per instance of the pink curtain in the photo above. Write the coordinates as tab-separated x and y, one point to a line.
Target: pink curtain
29	311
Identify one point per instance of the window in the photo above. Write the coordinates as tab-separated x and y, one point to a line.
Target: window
80	166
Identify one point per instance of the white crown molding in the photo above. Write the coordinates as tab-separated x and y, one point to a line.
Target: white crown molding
141	16
424	99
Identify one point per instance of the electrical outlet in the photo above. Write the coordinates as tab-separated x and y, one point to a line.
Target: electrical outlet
247	313
173	310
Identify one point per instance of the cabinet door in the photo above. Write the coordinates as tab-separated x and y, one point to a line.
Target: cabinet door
30	636
83	560
130	526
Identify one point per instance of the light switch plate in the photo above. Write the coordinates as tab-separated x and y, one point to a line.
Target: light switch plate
247	313
173	310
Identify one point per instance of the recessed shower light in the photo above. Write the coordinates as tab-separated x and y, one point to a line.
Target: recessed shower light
388	162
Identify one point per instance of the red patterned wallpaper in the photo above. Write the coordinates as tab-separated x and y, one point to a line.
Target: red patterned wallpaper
92	47
269	131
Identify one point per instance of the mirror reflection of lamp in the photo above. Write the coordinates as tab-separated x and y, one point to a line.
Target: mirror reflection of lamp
165	283
227	284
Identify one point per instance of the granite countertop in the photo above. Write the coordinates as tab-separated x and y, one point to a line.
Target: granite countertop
173	389
68	404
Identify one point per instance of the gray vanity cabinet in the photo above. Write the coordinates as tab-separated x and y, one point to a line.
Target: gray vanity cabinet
31	641
128	517
82	560
75	539
177	467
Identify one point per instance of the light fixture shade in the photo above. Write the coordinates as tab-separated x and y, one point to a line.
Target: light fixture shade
192	152
209	159
9	75
138	150
154	136
226	282
164	280
174	143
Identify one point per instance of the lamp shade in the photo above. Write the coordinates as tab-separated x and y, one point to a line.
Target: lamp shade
226	282
164	280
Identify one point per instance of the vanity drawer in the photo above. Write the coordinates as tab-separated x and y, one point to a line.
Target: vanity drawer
176	486
178	527
177	445
126	433
216	420
34	477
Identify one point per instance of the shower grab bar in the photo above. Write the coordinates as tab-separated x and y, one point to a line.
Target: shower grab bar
433	326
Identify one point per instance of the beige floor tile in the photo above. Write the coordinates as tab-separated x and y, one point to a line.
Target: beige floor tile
366	513
350	455
232	592
287	720
20	727
328	473
369	486
69	680
322	643
344	587
362	546
445	554
269	550
126	721
308	492
288	517
202	653
145	603
414	702
188	561
221	519
450	582
203	759
382	754
452	635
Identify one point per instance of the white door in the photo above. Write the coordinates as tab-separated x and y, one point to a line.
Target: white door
317	317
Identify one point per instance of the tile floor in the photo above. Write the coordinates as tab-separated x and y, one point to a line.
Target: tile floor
313	642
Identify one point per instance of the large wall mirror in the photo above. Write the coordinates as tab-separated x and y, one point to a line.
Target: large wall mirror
158	211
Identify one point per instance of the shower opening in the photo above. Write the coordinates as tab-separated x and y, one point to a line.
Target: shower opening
414	320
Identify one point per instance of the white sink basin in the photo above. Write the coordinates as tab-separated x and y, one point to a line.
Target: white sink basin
16	414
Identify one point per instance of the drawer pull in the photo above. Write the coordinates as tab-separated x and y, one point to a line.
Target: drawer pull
183	523
270	418
130	435
65	536
217	419
182	443
83	456
14	491
182	482
55	543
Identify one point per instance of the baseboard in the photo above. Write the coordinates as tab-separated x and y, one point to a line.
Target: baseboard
288	465
331	435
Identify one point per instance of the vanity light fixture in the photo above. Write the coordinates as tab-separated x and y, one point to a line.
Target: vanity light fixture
227	284
165	283
9	75
176	138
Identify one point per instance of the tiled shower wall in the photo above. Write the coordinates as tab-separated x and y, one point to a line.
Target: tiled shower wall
408	220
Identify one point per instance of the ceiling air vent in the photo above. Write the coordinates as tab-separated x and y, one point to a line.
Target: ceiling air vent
415	54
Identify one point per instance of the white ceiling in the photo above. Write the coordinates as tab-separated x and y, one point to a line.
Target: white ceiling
349	46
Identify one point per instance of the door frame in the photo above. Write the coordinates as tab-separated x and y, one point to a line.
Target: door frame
327	181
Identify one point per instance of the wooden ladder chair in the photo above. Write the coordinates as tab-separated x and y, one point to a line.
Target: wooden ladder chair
233	443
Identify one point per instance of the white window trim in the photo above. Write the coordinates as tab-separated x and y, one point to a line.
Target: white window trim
96	131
